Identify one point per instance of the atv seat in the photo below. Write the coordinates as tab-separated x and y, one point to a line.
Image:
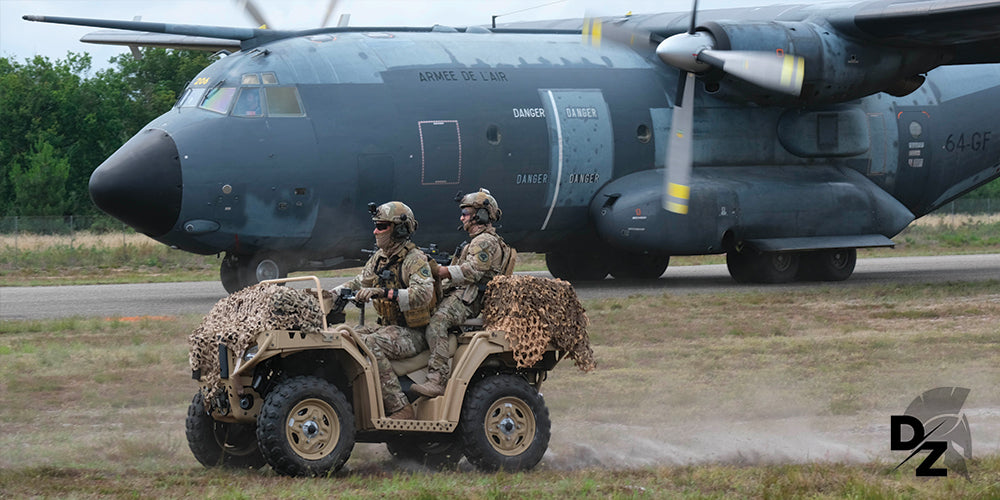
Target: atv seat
416	367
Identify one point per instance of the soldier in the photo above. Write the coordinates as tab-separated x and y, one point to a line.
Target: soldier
398	280
479	261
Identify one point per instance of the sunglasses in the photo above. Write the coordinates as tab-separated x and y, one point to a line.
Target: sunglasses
382	226
467	211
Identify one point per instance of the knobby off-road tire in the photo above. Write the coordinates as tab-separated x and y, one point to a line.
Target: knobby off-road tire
442	454
505	424
221	444
306	428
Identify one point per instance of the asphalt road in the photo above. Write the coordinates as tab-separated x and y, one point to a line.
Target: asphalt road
170	299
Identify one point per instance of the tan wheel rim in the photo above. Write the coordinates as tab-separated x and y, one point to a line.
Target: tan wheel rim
312	429
510	426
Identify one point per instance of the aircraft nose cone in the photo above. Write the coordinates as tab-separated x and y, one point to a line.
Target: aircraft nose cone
140	184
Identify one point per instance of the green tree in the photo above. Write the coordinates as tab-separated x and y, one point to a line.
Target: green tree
41	185
82	118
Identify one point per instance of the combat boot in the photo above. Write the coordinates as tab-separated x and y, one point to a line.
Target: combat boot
432	388
407	413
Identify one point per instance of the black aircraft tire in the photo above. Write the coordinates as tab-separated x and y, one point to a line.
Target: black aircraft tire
220	444
442	454
639	267
504	425
742	265
576	266
230	274
777	267
263	266
828	265
306	428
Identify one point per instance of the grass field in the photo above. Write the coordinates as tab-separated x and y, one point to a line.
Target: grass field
83	258
773	394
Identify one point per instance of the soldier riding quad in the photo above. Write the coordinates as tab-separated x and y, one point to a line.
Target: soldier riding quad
297	393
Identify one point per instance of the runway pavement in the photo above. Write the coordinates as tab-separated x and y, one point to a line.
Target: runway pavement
170	299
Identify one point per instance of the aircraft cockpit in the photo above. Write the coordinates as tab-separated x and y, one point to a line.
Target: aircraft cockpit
258	95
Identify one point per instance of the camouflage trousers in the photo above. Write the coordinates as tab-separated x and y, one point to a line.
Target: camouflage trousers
452	311
388	343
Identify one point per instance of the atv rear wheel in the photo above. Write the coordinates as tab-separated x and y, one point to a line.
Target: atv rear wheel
505	424
220	444
306	428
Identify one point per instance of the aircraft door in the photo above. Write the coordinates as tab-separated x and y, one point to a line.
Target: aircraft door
581	151
440	152
915	154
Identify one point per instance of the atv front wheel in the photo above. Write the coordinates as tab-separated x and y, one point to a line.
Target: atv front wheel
505	424
306	428
220	444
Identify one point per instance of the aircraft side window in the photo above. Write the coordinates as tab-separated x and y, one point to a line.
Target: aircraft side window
269	78
219	99
283	101
191	97
248	103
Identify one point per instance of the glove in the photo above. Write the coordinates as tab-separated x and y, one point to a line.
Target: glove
366	294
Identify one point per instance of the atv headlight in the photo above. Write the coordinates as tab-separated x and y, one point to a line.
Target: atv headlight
250	353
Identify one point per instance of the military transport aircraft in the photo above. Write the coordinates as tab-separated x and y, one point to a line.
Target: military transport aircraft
794	134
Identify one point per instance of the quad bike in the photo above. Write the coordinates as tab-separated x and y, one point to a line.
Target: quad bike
299	401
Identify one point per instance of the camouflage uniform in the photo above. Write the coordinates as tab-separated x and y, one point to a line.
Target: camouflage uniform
482	259
402	318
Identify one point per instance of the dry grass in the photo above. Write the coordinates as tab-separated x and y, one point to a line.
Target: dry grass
770	394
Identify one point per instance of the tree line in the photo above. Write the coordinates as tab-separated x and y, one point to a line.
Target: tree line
58	122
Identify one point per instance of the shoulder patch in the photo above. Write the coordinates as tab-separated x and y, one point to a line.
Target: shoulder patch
425	271
483	257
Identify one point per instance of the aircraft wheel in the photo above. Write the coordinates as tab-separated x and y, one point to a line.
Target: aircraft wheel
576	266
220	444
306	428
504	425
777	267
828	265
742	265
263	266
639	267
230	273
441	454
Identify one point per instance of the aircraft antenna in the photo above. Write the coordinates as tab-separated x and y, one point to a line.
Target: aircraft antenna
524	10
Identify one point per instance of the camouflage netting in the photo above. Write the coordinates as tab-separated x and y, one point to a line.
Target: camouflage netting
532	311
237	320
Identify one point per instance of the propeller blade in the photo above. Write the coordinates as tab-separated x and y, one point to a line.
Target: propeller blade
251	9
329	12
781	72
344	20
694	15
677	180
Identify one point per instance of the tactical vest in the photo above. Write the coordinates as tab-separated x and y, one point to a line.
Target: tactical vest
389	274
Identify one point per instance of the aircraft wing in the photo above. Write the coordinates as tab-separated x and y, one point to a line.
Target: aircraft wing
166	41
970	29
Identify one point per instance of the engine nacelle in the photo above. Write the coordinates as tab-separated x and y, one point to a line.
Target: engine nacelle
837	68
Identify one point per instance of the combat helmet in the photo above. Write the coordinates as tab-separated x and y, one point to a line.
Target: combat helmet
486	206
400	215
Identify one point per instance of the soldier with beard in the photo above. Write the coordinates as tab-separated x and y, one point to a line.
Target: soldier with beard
397	279
486	256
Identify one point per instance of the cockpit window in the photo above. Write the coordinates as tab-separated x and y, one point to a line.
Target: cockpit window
283	101
191	97
269	78
219	99
248	103
251	79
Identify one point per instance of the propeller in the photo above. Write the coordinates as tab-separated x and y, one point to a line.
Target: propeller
694	52
251	8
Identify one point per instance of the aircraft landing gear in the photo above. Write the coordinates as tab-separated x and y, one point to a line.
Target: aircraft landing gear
750	266
577	266
238	272
639	267
828	265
